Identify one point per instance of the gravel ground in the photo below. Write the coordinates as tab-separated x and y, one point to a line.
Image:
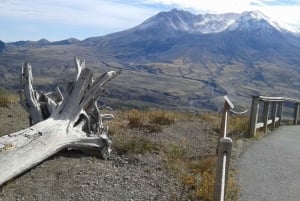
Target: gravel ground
12	118
73	175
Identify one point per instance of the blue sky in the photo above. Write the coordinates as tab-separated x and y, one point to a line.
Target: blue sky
61	19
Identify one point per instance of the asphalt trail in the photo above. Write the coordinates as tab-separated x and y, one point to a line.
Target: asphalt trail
269	170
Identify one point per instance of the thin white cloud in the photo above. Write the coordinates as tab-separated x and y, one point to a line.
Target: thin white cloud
100	17
89	12
279	14
118	14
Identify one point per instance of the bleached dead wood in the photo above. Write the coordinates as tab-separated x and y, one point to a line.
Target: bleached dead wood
60	120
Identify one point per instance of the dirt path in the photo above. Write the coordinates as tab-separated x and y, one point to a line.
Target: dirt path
269	168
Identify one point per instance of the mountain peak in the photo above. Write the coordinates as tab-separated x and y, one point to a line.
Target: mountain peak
43	41
255	21
183	21
254	15
2	46
178	11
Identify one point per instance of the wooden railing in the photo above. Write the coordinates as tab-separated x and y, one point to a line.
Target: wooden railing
271	113
224	148
224	153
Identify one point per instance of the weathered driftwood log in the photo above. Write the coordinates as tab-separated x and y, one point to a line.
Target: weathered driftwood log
59	120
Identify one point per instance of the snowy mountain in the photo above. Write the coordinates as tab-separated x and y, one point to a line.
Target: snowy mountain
183	21
186	22
255	20
162	31
176	33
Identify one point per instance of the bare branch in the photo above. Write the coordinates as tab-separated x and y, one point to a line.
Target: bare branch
80	65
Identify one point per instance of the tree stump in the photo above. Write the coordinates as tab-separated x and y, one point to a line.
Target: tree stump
58	121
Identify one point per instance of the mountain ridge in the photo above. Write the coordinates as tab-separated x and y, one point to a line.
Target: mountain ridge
201	23
168	62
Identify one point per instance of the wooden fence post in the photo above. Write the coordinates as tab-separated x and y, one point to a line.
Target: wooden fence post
224	155
280	112
274	114
296	113
254	115
227	106
266	115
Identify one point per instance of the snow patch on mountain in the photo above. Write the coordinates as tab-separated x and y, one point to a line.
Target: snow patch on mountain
183	21
255	20
212	23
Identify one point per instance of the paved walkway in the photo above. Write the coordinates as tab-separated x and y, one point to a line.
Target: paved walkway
270	168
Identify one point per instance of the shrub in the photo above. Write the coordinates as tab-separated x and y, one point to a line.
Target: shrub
135	119
8	99
205	170
149	120
174	152
175	161
161	117
238	125
136	145
153	128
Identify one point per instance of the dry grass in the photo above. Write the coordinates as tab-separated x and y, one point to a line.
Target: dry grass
135	145
175	159
238	125
150	120
201	181
196	175
7	98
213	118
128	140
161	117
136	119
